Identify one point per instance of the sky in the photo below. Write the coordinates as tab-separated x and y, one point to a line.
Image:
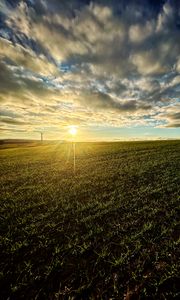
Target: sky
110	68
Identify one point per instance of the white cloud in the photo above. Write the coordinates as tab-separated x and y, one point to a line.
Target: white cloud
115	66
138	33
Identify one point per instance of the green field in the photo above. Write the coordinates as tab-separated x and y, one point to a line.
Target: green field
109	231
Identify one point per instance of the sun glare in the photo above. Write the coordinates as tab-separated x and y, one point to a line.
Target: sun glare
73	130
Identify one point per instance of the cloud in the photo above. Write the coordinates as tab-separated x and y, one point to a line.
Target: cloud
99	100
173	125
13	121
26	58
170	116
138	33
89	62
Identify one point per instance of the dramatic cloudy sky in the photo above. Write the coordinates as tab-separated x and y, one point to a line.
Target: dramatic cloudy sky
112	68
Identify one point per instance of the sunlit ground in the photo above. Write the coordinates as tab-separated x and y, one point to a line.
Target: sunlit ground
106	230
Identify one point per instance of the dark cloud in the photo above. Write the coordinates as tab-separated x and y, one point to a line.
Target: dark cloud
12	3
9	113
173	125
171	115
13	121
7	129
8	82
174	116
99	100
104	56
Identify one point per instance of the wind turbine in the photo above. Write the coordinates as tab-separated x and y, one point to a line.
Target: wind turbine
41	136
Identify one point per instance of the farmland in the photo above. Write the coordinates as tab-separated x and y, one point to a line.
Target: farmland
109	231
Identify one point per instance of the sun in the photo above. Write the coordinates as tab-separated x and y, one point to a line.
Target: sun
73	130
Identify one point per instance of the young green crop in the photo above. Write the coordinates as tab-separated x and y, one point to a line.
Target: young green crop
111	230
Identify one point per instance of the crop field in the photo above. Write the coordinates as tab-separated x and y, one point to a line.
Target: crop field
108	231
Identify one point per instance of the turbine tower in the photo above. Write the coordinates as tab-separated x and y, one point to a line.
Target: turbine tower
41	136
